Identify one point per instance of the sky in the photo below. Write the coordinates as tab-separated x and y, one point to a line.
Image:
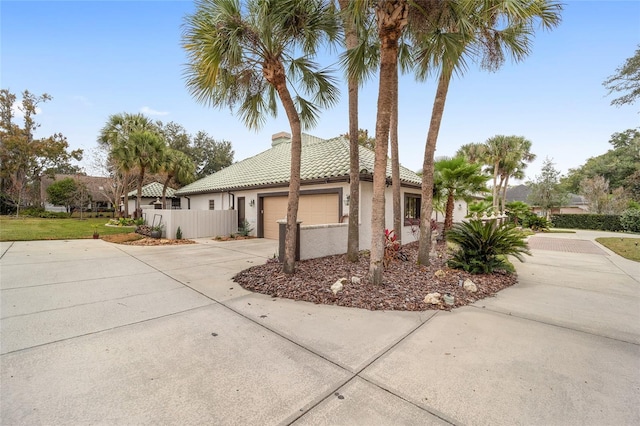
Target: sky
98	58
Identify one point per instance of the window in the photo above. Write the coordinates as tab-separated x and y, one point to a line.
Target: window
212	204
411	209
175	203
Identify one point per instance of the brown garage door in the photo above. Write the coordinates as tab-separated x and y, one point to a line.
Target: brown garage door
314	209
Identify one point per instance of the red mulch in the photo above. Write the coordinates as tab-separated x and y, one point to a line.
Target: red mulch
404	288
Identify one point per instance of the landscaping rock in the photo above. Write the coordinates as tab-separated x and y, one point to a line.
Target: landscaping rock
433	299
355	280
470	286
337	286
440	274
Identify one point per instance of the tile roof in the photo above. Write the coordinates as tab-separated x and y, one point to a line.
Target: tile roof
321	159
521	193
153	190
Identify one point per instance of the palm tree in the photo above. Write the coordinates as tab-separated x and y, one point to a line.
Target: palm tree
244	54
115	132
391	20
458	179
514	164
143	150
351	42
452	32
472	152
496	152
507	156
178	166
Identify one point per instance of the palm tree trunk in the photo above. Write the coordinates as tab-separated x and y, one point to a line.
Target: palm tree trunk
426	207
448	218
395	162
164	191
275	74
494	190
391	18
138	212
125	192
504	193
353	238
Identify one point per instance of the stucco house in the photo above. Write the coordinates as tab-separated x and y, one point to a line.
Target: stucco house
257	188
152	198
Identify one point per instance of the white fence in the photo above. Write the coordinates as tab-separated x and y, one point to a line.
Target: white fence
194	223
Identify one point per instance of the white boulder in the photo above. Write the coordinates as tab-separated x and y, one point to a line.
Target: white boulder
470	286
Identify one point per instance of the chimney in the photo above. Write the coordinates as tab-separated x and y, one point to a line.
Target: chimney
280	138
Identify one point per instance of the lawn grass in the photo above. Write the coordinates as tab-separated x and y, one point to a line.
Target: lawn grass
626	247
29	229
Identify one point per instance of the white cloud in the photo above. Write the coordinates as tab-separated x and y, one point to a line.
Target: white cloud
82	100
17	110
149	111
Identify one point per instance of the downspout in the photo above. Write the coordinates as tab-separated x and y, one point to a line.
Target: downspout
188	202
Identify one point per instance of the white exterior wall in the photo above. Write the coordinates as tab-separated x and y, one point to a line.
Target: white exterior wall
366	197
224	201
323	240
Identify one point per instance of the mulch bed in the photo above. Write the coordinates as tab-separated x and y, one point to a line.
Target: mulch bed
133	239
405	283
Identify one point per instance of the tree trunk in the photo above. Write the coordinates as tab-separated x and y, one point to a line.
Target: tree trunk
494	190
275	75
138	212
426	207
504	193
395	162
391	17
164	191
448	218
353	239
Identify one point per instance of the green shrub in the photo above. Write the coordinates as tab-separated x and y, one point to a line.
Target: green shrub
245	229
178	233
536	223
630	220
598	222
42	213
483	247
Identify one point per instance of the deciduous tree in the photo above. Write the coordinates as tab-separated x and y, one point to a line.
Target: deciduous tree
626	81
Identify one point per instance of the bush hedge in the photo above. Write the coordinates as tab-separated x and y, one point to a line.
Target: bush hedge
598	222
630	220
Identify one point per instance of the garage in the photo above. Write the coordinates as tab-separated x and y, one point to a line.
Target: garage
314	209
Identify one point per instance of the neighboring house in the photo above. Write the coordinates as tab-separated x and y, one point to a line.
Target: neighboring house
152	198
97	194
257	188
576	204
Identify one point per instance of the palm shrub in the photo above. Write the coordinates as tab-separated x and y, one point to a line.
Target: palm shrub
537	223
483	247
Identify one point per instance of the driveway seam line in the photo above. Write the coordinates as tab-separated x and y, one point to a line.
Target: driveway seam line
92	303
353	375
554	325
8	248
357	374
244	316
104	330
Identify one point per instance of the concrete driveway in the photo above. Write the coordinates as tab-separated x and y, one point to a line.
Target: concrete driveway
96	333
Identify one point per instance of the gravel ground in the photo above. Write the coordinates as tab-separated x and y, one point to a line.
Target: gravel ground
405	283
